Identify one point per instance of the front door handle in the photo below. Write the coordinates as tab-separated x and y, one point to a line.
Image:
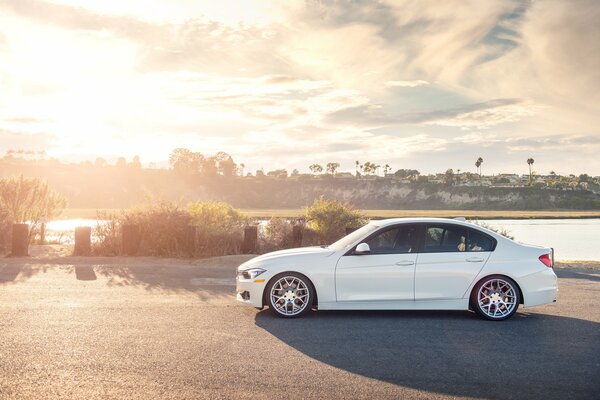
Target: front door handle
474	259
405	263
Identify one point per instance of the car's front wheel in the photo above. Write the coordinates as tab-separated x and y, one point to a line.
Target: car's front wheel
290	295
495	298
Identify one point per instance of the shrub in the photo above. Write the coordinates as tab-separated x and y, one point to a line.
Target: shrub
501	231
276	234
220	227
163	230
106	236
330	218
29	200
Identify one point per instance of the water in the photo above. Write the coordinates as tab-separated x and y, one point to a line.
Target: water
572	239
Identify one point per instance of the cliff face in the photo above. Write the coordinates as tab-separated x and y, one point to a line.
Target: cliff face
388	194
112	187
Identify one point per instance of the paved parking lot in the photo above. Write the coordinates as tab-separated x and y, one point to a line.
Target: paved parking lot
153	328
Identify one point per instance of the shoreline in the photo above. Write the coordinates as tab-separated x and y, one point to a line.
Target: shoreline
91	213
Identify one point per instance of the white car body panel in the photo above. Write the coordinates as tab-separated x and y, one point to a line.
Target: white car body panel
375	277
458	269
437	280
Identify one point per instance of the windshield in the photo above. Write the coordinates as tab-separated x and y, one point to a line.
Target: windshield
347	241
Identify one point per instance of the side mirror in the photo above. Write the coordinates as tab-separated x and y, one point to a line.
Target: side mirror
362	248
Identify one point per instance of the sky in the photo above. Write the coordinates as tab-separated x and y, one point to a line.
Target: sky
426	85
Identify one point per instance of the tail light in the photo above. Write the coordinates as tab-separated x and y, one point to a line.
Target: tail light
547	260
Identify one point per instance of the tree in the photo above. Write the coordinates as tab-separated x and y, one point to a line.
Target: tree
386	169
278	173
449	177
135	163
332	167
316	169
478	165
224	163
30	200
369	168
330	218
530	162
584	178
295	172
411	174
100	162
260	173
185	161
121	162
357	166
241	168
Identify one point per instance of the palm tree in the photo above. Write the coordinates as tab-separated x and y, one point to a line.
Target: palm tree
386	169
478	165
530	162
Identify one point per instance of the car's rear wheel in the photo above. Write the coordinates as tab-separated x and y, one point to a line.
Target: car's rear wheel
495	298
290	295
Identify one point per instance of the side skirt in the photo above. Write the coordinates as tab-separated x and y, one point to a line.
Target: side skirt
460	304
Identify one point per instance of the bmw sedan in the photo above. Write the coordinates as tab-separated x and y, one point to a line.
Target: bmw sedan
403	264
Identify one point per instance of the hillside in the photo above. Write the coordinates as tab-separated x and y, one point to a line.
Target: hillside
87	186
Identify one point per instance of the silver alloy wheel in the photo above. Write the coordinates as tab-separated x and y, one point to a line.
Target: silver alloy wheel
290	295
497	298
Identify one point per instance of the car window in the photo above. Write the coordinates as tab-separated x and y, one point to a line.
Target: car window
444	238
478	241
398	240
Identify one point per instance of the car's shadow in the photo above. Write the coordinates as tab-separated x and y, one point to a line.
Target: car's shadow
454	353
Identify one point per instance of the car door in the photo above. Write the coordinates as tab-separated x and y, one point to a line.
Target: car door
386	273
450	258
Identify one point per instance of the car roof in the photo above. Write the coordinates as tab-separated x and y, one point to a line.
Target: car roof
390	221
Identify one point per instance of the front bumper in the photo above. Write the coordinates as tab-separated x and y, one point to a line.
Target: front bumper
250	292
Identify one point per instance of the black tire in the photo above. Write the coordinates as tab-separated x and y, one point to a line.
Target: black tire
496	298
299	293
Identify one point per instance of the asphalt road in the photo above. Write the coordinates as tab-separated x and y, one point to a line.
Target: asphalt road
171	329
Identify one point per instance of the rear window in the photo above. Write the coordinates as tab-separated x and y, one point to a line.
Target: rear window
454	238
479	242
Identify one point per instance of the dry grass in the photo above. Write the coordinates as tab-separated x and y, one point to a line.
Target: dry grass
295	213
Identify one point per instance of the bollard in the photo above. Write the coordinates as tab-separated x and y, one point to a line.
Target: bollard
296	236
83	241
43	233
20	240
250	240
131	238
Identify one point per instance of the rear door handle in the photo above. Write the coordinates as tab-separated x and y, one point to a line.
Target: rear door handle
474	259
405	263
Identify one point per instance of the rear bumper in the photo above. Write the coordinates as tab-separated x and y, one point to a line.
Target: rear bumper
249	292
539	288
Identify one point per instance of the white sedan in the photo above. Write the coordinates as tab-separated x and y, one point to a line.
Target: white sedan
403	264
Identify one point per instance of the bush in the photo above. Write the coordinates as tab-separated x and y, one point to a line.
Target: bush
330	218
220	227
163	230
276	234
29	200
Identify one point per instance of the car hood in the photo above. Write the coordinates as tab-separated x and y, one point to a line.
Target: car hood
301	252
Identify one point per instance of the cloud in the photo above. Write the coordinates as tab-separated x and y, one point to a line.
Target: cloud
410	84
18	140
477	115
325	78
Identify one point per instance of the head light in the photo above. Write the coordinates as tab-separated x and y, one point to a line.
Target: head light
251	273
